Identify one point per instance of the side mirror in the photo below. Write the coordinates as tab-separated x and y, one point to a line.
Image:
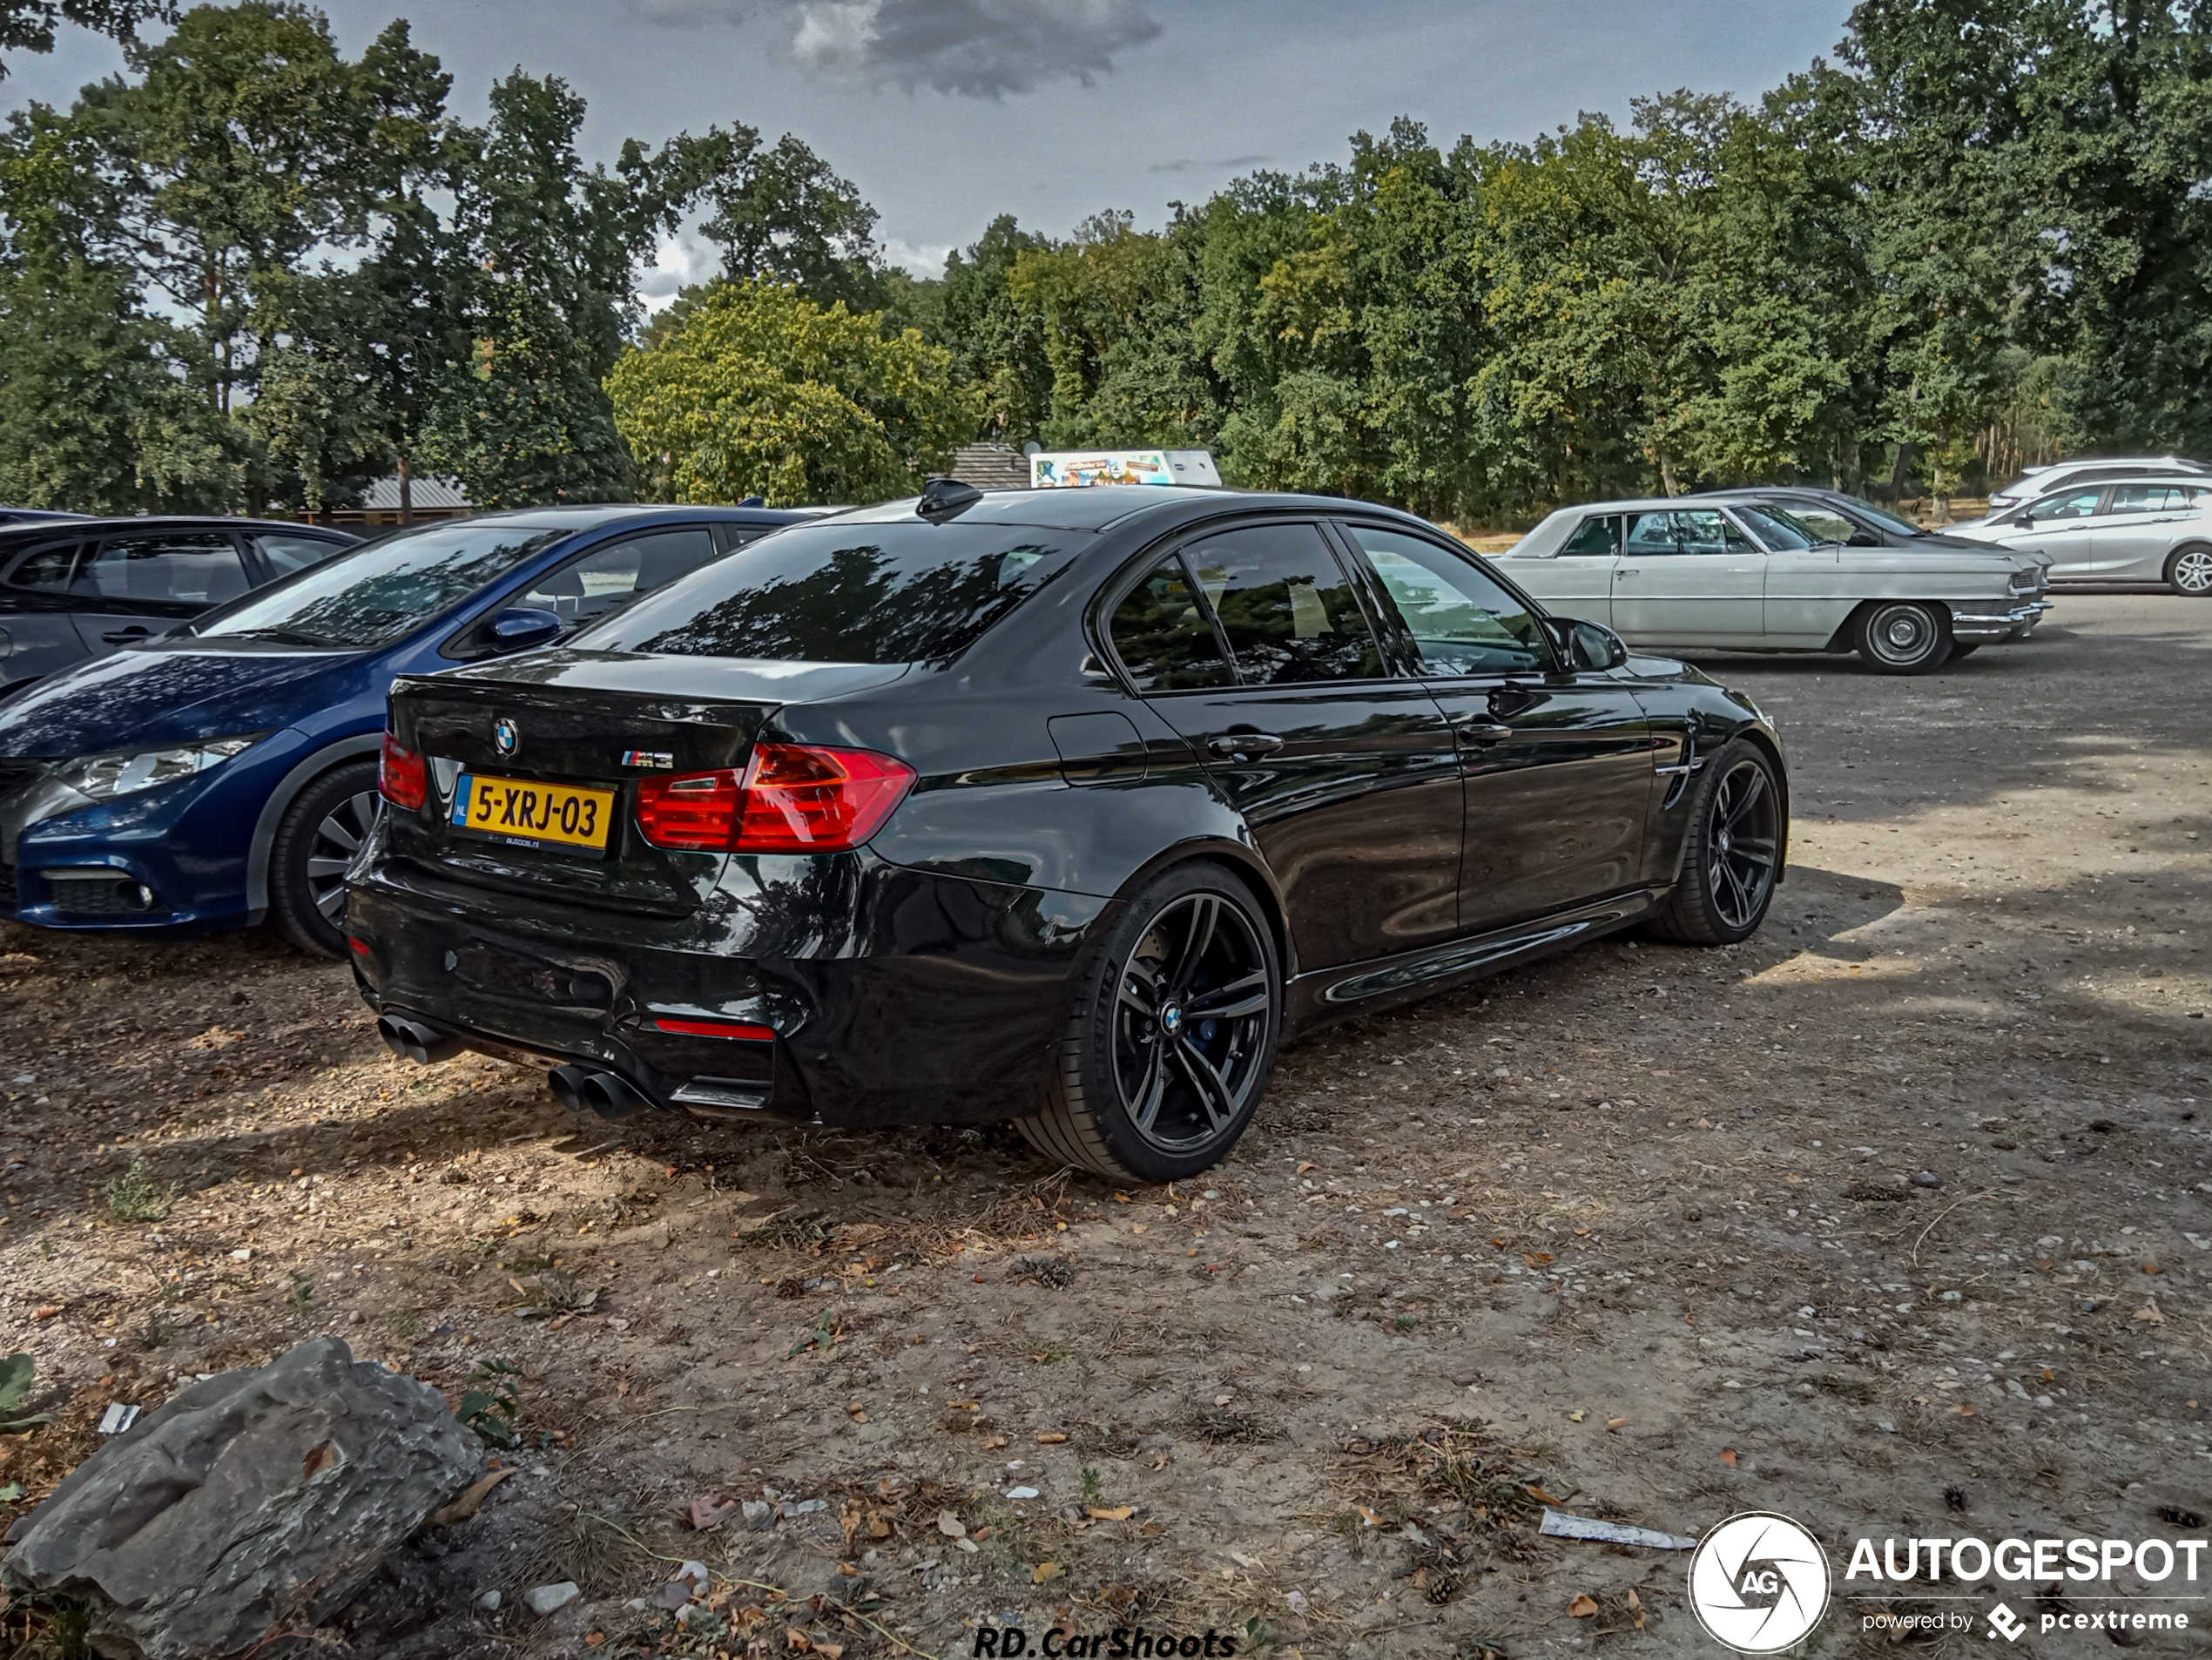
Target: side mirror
2026	521
520	627
1587	646
1864	539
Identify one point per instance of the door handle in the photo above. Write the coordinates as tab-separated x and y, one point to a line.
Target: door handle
1473	730
1244	743
136	631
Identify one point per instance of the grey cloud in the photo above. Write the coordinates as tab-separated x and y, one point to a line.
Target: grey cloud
980	48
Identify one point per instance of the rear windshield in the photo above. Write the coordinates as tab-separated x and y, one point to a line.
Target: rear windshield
846	592
373	594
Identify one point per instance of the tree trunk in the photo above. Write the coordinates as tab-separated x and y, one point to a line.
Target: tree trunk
1667	474
406	492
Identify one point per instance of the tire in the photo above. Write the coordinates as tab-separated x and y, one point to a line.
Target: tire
1728	868
1958	650
1902	637
2188	572
1148	1086
322	827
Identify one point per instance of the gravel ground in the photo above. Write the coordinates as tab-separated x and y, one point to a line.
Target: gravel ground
1893	1220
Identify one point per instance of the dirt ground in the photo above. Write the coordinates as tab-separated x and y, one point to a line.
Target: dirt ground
1894	1219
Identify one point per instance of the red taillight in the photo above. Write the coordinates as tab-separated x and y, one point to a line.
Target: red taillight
699	810
718	1028
403	776
792	797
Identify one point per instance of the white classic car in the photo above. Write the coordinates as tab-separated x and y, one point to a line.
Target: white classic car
1727	573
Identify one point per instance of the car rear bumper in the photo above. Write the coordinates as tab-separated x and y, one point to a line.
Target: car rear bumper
1974	623
928	999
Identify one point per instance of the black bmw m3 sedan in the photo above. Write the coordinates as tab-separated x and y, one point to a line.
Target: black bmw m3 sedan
1062	807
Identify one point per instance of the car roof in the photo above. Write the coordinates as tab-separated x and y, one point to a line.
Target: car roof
1640	504
588	518
1101	507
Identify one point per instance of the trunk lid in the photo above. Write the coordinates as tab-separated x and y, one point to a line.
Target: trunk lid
574	721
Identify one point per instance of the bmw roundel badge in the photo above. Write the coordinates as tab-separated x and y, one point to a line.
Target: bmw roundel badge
505	736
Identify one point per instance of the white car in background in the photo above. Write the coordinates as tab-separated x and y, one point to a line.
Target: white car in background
1727	574
2039	481
2154	528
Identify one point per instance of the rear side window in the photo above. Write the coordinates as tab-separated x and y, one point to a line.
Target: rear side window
846	591
1163	636
1597	536
1286	605
2153	498
44	569
176	567
617	573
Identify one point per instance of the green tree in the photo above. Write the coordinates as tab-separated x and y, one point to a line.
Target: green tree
29	25
761	391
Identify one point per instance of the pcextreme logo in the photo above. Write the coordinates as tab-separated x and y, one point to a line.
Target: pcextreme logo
1758	1582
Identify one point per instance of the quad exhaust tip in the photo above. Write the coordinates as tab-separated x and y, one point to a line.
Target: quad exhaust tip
412	1041
580	1090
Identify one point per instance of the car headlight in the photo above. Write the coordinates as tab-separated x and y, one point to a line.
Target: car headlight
104	777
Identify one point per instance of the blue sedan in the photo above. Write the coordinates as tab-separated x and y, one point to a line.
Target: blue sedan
226	772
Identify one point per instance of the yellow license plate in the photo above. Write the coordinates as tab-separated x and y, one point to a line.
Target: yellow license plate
517	809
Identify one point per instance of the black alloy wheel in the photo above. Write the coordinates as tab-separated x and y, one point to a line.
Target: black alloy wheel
1173	1036
322	829
1902	637
2189	571
1731	862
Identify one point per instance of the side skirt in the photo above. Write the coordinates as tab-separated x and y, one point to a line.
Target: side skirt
1329	994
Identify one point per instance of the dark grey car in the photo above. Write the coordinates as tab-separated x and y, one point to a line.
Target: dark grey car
72	588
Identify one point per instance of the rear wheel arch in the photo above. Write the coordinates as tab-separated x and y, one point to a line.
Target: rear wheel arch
1242	863
2183	564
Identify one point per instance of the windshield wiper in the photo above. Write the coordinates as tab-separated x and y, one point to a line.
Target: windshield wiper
283	637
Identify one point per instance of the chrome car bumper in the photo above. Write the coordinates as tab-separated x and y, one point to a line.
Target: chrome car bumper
1978	624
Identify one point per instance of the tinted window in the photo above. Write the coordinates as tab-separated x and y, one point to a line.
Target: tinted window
2067	504
1780	532
615	574
287	554
175	567
1163	636
901	591
376	592
44	568
1463	622
1597	536
1882	517
1286	605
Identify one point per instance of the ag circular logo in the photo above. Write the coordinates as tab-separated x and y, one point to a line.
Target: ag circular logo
1758	1582
506	737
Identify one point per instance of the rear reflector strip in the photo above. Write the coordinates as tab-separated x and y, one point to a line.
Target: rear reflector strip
718	1028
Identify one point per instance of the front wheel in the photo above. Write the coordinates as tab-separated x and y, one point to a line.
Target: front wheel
1902	637
1173	1035
2188	573
1729	867
322	827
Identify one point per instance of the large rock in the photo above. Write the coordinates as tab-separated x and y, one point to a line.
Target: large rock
255	1502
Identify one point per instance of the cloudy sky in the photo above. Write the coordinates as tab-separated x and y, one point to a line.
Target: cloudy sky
948	111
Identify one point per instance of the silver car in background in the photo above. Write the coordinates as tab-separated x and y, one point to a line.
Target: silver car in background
2039	481
2143	529
1682	575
